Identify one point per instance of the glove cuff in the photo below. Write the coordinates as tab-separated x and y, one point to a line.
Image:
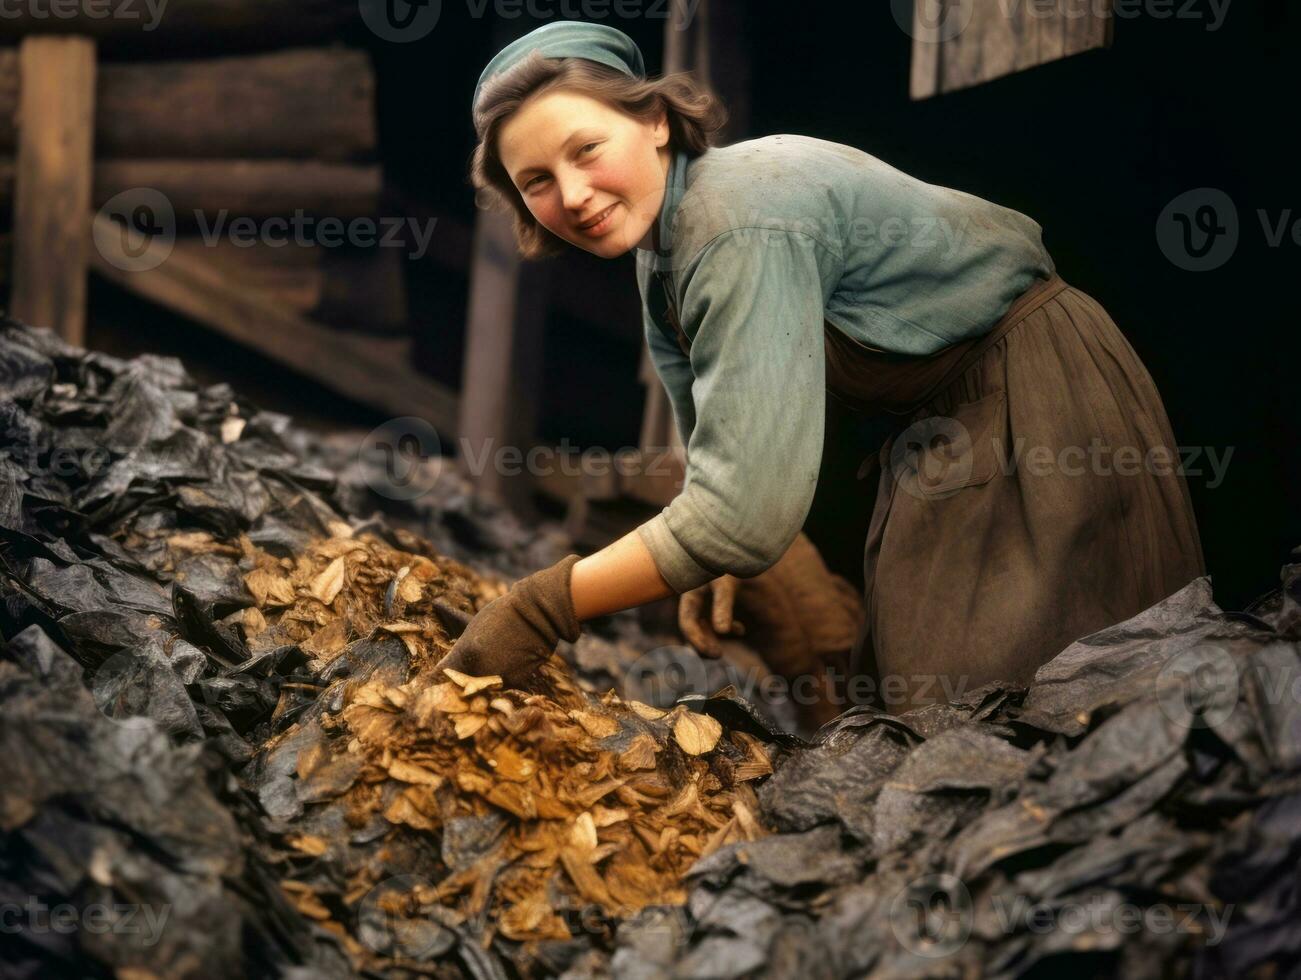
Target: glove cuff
549	592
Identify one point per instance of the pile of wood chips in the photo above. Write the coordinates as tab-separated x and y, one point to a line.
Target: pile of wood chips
603	803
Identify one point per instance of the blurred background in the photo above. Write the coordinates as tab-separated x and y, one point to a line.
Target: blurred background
276	192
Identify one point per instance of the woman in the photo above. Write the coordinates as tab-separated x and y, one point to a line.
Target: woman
777	269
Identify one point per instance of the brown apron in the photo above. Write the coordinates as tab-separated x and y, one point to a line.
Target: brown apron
1033	498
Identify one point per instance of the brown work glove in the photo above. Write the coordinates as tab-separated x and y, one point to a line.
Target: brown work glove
799	617
516	633
703	634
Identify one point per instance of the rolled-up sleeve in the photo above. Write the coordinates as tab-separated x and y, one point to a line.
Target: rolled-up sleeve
754	298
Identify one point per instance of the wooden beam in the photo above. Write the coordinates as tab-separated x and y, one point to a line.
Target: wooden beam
501	373
310	103
52	182
960	43
313	103
374	370
148	26
252	188
240	188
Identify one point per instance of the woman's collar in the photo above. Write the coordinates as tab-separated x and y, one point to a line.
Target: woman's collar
675	185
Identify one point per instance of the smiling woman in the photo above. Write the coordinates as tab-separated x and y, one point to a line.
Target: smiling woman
601	187
563	140
778	270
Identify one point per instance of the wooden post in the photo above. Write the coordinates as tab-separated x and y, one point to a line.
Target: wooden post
502	371
687	48
52	185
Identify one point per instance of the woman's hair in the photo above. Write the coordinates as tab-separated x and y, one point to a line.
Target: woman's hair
695	115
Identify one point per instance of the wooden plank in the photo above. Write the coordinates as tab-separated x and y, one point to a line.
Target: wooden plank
291	275
311	103
253	188
374	370
314	103
501	374
927	55
56	112
356	288
158	26
9	86
1001	36
240	188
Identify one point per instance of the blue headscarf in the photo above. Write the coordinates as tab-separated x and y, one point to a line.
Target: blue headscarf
568	39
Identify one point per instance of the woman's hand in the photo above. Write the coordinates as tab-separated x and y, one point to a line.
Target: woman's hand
702	633
516	633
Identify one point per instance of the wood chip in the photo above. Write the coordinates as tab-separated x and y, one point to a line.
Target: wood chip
472	685
408	772
439	697
232	427
268	589
468	724
309	844
598	726
640	753
253	622
329	641
328	584
582	836
696	734
401	626
645	711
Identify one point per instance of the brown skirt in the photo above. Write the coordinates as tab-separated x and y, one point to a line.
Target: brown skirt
1033	498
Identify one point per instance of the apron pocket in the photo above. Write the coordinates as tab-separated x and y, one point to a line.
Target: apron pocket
939	455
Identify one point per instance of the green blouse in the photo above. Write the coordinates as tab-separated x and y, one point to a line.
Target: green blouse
759	243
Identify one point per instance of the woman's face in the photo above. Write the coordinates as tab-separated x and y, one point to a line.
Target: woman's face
589	173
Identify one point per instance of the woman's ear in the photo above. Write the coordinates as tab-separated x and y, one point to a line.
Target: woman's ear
660	131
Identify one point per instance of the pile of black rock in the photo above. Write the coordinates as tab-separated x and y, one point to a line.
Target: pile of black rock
1136	811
